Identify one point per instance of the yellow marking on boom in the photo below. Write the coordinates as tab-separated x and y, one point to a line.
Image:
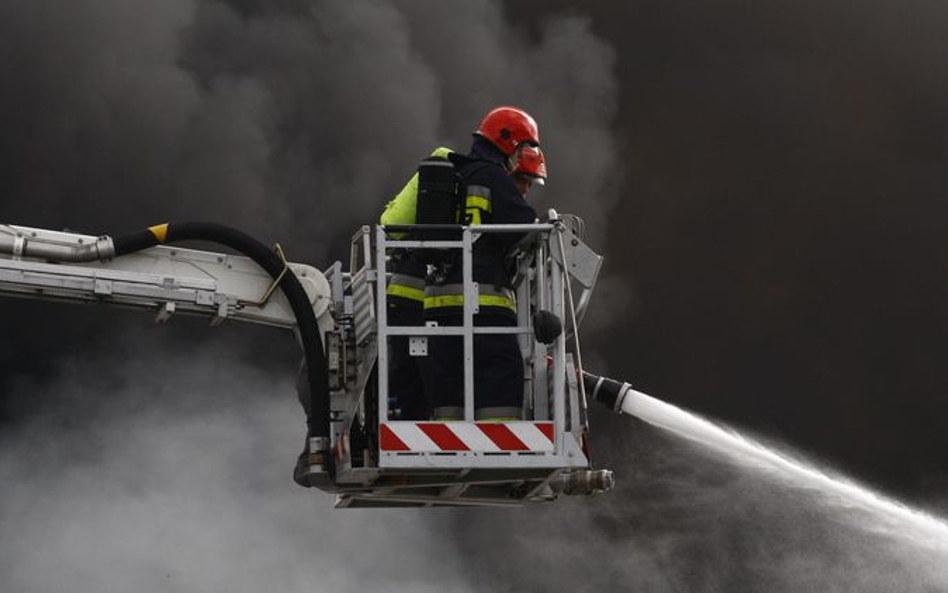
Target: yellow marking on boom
160	231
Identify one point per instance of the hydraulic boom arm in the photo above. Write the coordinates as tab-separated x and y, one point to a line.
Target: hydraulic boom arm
162	279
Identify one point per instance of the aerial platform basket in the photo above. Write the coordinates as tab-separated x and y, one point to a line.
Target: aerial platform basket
383	461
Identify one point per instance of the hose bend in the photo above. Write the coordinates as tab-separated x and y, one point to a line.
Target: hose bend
317	375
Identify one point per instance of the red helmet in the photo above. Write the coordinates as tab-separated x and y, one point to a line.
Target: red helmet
531	164
508	127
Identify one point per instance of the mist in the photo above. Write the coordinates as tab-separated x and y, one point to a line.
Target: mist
166	475
683	518
163	474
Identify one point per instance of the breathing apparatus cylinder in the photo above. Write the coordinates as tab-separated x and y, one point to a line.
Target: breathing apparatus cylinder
437	204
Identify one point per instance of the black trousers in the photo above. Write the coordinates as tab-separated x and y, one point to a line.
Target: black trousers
498	369
405	386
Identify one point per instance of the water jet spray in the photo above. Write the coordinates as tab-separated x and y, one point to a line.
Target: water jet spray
886	515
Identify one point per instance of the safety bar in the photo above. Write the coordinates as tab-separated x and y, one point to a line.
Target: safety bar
481	228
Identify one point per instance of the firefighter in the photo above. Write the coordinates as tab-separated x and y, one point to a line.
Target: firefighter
406	287
488	194
405	298
530	169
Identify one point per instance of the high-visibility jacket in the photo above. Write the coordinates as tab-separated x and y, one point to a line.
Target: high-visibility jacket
407	285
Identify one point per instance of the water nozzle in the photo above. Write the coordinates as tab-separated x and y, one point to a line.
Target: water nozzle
609	392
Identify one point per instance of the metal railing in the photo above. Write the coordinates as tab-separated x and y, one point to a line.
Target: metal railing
539	286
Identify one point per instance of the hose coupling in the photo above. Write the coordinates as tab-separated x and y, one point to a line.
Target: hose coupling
586	482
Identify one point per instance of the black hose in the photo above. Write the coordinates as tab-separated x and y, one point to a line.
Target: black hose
318	422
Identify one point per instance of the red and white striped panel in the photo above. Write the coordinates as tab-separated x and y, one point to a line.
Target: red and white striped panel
486	437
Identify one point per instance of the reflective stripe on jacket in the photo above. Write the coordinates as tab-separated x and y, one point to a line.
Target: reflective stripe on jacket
450	298
477	204
406	286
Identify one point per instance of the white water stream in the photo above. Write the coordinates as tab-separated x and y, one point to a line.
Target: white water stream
887	516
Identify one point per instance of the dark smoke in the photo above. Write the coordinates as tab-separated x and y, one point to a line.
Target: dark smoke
740	161
782	214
